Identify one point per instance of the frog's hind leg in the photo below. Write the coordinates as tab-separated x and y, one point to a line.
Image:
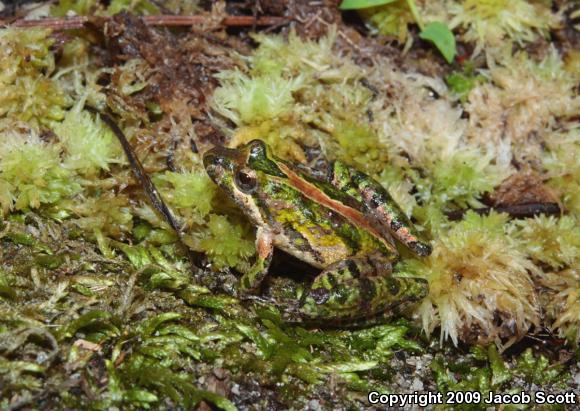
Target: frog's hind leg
379	203
351	290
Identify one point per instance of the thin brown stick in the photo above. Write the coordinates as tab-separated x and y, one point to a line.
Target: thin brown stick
78	22
514	211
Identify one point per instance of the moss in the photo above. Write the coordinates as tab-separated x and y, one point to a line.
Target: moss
90	145
27	91
550	240
96	284
249	100
225	243
103	214
563	170
462	82
489	23
562	302
478	279
391	19
31	173
191	192
519	106
95	7
484	371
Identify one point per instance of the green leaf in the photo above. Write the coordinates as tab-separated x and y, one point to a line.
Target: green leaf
440	35
500	372
362	4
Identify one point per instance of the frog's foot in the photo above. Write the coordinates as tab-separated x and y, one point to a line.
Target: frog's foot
334	299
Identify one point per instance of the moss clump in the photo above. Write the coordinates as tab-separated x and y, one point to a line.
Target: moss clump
96	7
478	281
252	100
90	145
560	161
484	370
562	302
27	92
226	243
519	107
191	192
296	93
550	240
31	172
495	23
392	19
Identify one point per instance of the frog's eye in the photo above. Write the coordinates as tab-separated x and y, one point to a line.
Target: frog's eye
257	148
246	180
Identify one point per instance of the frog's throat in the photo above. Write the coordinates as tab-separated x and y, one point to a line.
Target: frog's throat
354	216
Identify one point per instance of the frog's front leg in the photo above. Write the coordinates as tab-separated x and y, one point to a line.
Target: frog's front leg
379	203
251	280
358	288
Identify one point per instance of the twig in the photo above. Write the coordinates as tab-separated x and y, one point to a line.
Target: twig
142	176
514	211
79	22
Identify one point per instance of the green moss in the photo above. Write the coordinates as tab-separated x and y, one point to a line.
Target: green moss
550	240
31	173
491	22
90	145
246	100
79	7
191	192
474	273
225	243
462	178
485	371
391	19
537	369
462	82
27	92
95	7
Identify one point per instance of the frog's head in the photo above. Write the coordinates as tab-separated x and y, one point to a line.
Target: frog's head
241	172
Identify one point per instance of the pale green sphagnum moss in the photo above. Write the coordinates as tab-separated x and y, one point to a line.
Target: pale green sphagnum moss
190	191
550	240
248	100
90	145
563	307
225	243
31	172
478	281
26	91
489	23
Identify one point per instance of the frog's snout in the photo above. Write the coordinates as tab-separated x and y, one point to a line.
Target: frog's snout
214	165
220	162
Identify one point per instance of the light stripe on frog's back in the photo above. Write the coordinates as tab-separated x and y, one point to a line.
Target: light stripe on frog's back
354	216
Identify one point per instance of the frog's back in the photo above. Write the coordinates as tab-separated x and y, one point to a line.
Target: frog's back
314	230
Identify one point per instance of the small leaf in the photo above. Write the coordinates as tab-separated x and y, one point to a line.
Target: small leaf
440	35
500	372
362	4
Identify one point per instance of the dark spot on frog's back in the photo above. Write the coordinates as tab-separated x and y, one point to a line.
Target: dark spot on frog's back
396	224
353	268
367	289
420	248
394	286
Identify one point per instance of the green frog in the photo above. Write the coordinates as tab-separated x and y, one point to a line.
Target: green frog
340	221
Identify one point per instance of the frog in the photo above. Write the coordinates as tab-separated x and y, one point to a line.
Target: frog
339	220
